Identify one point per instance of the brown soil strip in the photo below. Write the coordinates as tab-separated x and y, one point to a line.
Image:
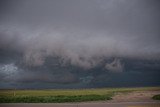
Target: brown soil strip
136	96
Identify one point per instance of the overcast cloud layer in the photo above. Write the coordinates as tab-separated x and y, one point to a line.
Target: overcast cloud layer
80	33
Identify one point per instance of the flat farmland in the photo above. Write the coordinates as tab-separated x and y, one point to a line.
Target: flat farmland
67	95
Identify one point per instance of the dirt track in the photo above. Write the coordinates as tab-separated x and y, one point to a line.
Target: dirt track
136	96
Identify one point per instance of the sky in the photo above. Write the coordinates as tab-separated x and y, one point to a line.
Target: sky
79	43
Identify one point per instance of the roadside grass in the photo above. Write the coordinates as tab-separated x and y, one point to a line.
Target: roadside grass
64	95
156	97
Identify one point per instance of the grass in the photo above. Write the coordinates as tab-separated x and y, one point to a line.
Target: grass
68	95
53	99
156	97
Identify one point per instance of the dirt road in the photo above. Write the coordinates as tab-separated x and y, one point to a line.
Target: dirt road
97	104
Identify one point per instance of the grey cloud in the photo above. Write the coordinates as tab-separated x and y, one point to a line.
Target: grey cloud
49	42
80	33
115	66
12	73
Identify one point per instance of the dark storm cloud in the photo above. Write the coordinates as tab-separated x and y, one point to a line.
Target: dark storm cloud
80	32
71	28
12	73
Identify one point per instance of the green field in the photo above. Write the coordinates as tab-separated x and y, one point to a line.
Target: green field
67	95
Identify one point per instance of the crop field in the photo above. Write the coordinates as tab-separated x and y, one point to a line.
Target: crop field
64	95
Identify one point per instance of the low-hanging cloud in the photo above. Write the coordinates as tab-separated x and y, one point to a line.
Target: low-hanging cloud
115	66
81	33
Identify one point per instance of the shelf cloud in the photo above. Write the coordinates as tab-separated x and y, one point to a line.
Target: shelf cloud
81	33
